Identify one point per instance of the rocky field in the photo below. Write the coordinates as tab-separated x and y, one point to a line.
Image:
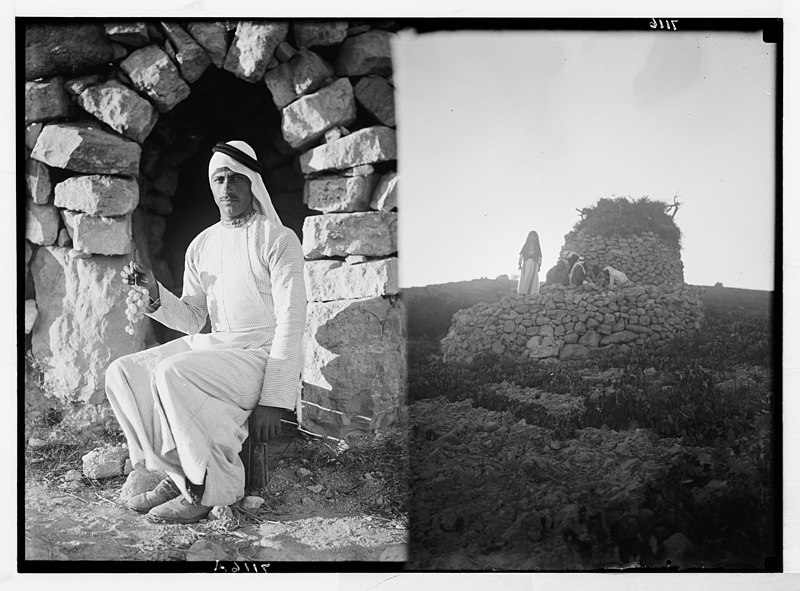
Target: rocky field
322	502
657	458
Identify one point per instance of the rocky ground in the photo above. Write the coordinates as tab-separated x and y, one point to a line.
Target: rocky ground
657	458
321	503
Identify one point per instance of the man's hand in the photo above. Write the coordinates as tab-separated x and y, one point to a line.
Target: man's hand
137	273
265	423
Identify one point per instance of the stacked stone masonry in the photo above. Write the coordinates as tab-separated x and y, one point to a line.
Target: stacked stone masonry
567	323
100	183
644	258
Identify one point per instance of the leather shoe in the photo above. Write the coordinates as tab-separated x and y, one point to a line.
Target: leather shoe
178	510
166	490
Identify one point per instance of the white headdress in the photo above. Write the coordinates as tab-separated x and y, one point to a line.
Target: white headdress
220	159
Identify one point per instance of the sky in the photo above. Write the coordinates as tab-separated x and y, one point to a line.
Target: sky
503	132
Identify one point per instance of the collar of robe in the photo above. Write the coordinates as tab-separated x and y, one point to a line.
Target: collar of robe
238	221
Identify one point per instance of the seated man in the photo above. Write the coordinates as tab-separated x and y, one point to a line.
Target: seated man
184	405
557	273
577	273
616	277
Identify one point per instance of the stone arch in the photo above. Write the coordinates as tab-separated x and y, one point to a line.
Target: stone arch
119	120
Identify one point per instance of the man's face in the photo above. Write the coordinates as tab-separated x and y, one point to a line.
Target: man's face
231	192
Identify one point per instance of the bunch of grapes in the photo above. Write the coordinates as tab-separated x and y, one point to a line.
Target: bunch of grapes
137	302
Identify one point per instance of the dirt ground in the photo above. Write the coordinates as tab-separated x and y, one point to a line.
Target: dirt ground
492	492
322	503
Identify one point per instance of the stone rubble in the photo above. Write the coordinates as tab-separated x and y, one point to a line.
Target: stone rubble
131	34
86	148
97	234
37	182
340	194
191	58
41	223
213	38
304	73
385	196
253	47
105	462
368	53
46	100
644	258
120	108
339	235
366	146
54	49
309	117
153	73
329	280
99	195
568	323
376	95
312	33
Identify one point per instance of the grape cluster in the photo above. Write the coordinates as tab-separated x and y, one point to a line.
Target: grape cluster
137	302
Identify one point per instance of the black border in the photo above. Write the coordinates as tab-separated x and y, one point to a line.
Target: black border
773	32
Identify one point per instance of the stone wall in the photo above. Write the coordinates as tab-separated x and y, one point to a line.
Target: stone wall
645	258
101	173
569	323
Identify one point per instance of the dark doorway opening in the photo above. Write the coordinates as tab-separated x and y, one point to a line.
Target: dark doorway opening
222	107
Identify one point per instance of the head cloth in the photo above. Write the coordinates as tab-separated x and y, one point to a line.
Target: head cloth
241	158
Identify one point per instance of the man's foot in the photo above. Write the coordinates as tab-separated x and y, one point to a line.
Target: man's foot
178	510
166	490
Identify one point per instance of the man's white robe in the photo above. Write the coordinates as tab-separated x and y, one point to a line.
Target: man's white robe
183	405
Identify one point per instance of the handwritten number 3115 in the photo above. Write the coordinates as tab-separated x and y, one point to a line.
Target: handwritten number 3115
659	24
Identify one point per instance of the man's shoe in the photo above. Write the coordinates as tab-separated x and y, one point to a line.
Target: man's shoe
166	490
178	510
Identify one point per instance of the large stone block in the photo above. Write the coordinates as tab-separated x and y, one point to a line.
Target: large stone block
120	108
99	235
154	74
32	132
192	59
131	34
213	37
41	223
304	73
308	118
311	33
623	336
86	148
55	48
98	194
37	182
339	194
376	95
343	234
335	280
30	315
368	53
253	47
366	146
385	196
46	100
81	323
355	366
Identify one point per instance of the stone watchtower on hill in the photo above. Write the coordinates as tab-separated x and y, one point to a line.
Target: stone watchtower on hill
638	238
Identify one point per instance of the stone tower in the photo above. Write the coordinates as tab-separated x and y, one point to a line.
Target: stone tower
636	237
